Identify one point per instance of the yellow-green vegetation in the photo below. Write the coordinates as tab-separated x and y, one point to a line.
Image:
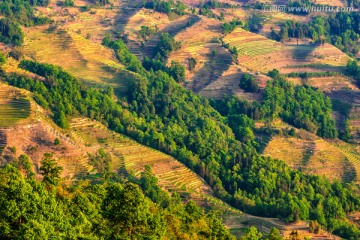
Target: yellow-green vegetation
11	66
334	159
159	23
231	13
330	2
87	60
348	103
197	42
14	106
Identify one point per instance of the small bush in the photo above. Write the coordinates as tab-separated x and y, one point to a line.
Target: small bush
248	83
57	142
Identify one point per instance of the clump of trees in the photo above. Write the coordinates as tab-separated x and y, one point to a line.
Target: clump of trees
256	22
101	161
50	170
353	69
69	3
339	29
192	64
248	83
146	32
216	4
2	58
10	32
167	7
229	27
166	45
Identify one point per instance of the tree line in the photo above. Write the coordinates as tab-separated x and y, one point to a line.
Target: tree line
341	30
167	7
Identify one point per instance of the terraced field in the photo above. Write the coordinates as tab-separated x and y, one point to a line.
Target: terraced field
144	17
133	157
260	54
334	159
15	108
201	42
11	66
228	83
89	61
26	125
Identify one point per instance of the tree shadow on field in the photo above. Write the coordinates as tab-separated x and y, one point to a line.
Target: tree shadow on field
213	69
173	28
349	172
308	153
124	14
302	51
177	26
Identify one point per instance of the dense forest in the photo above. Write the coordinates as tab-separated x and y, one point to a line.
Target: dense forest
341	30
110	210
301	106
161	114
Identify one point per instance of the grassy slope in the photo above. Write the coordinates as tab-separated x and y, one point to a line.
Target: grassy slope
198	42
14	107
87	60
333	158
145	17
34	135
352	98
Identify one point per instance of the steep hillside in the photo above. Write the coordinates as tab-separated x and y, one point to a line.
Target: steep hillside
201	42
85	137
160	21
28	128
228	83
87	60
